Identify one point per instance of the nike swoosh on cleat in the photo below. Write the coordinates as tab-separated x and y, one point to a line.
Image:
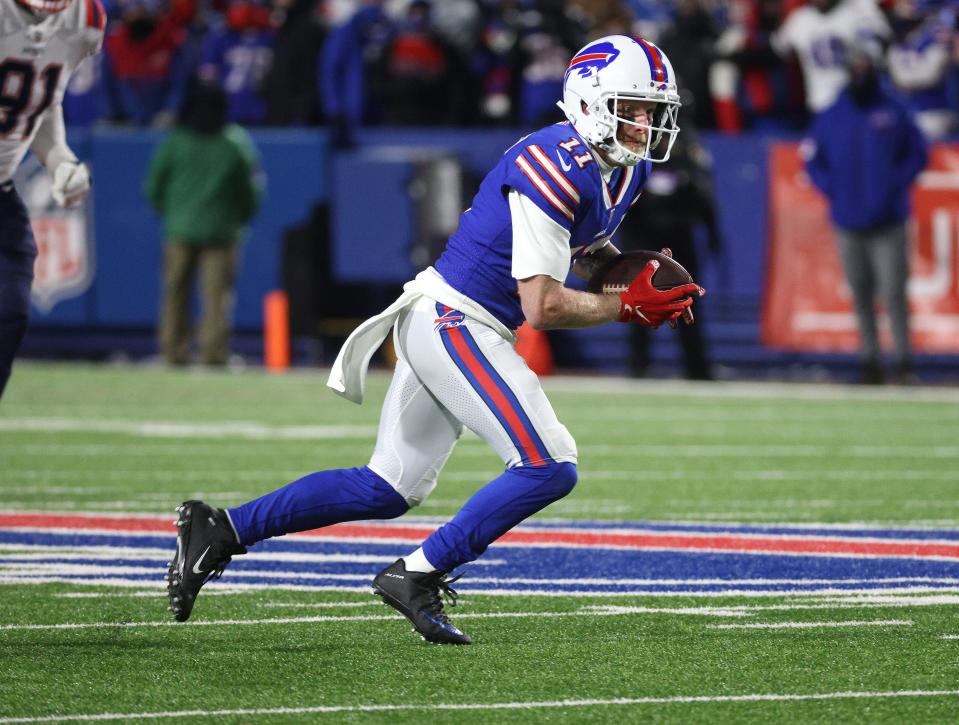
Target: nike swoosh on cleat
196	567
445	625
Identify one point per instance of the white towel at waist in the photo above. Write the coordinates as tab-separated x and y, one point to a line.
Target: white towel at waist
348	375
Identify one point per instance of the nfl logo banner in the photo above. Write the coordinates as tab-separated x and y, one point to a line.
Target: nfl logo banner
64	265
807	304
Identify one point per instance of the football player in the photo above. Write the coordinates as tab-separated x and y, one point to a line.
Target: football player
818	34
554	198
41	43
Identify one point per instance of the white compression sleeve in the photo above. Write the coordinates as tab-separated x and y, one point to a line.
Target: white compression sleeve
50	141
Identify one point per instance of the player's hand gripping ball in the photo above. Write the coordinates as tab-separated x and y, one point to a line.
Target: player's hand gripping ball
653	287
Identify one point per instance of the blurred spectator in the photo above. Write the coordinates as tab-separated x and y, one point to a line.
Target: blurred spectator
690	44
458	22
818	34
238	56
548	39
751	85
202	180
85	100
865	152
920	64
492	61
425	81
602	17
652	17
290	88
145	69
677	203
351	71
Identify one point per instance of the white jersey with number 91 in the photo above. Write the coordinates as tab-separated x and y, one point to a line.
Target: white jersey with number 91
38	52
819	38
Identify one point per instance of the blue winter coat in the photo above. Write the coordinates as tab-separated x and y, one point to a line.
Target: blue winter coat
865	158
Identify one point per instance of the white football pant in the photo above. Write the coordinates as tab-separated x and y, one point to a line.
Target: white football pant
451	372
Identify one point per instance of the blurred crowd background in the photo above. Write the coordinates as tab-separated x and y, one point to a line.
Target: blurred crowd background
414	101
468	63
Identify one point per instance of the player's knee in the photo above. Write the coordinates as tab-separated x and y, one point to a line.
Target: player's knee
414	489
564	478
552	481
384	497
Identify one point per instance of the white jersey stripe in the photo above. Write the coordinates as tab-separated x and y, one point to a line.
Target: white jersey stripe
624	184
607	199
551	169
543	188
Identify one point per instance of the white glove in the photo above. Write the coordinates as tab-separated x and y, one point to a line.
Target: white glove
71	183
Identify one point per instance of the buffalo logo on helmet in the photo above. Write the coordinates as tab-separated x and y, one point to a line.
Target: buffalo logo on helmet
593	58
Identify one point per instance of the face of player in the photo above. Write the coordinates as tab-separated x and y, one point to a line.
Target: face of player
635	117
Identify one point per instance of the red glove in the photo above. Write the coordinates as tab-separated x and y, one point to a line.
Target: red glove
645	305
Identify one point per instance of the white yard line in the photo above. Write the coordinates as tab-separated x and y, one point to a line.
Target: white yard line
854	603
582	612
753	451
34	552
894	599
950	636
267	433
337	618
464	706
21	565
172	429
554	593
816	625
156	593
319	605
26	569
802	392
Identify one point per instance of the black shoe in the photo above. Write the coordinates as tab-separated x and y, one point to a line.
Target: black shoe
205	544
417	597
870	373
903	374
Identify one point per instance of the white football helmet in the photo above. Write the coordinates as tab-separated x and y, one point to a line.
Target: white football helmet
46	6
620	68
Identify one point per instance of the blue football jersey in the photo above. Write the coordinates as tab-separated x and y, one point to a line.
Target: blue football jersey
554	168
239	61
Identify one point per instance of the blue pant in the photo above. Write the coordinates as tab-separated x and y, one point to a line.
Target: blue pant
18	250
331	497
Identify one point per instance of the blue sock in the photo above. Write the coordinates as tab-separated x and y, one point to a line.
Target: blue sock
317	500
496	508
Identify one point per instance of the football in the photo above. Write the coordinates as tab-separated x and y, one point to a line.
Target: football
617	273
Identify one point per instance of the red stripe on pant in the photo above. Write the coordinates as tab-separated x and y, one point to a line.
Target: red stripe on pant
496	395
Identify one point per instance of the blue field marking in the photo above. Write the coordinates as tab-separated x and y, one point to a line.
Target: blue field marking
540	569
864	531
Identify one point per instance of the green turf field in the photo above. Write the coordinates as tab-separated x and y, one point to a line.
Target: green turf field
139	440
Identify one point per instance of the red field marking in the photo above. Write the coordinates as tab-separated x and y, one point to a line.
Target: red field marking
722	542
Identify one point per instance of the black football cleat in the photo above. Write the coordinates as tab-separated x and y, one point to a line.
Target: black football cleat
416	596
205	544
